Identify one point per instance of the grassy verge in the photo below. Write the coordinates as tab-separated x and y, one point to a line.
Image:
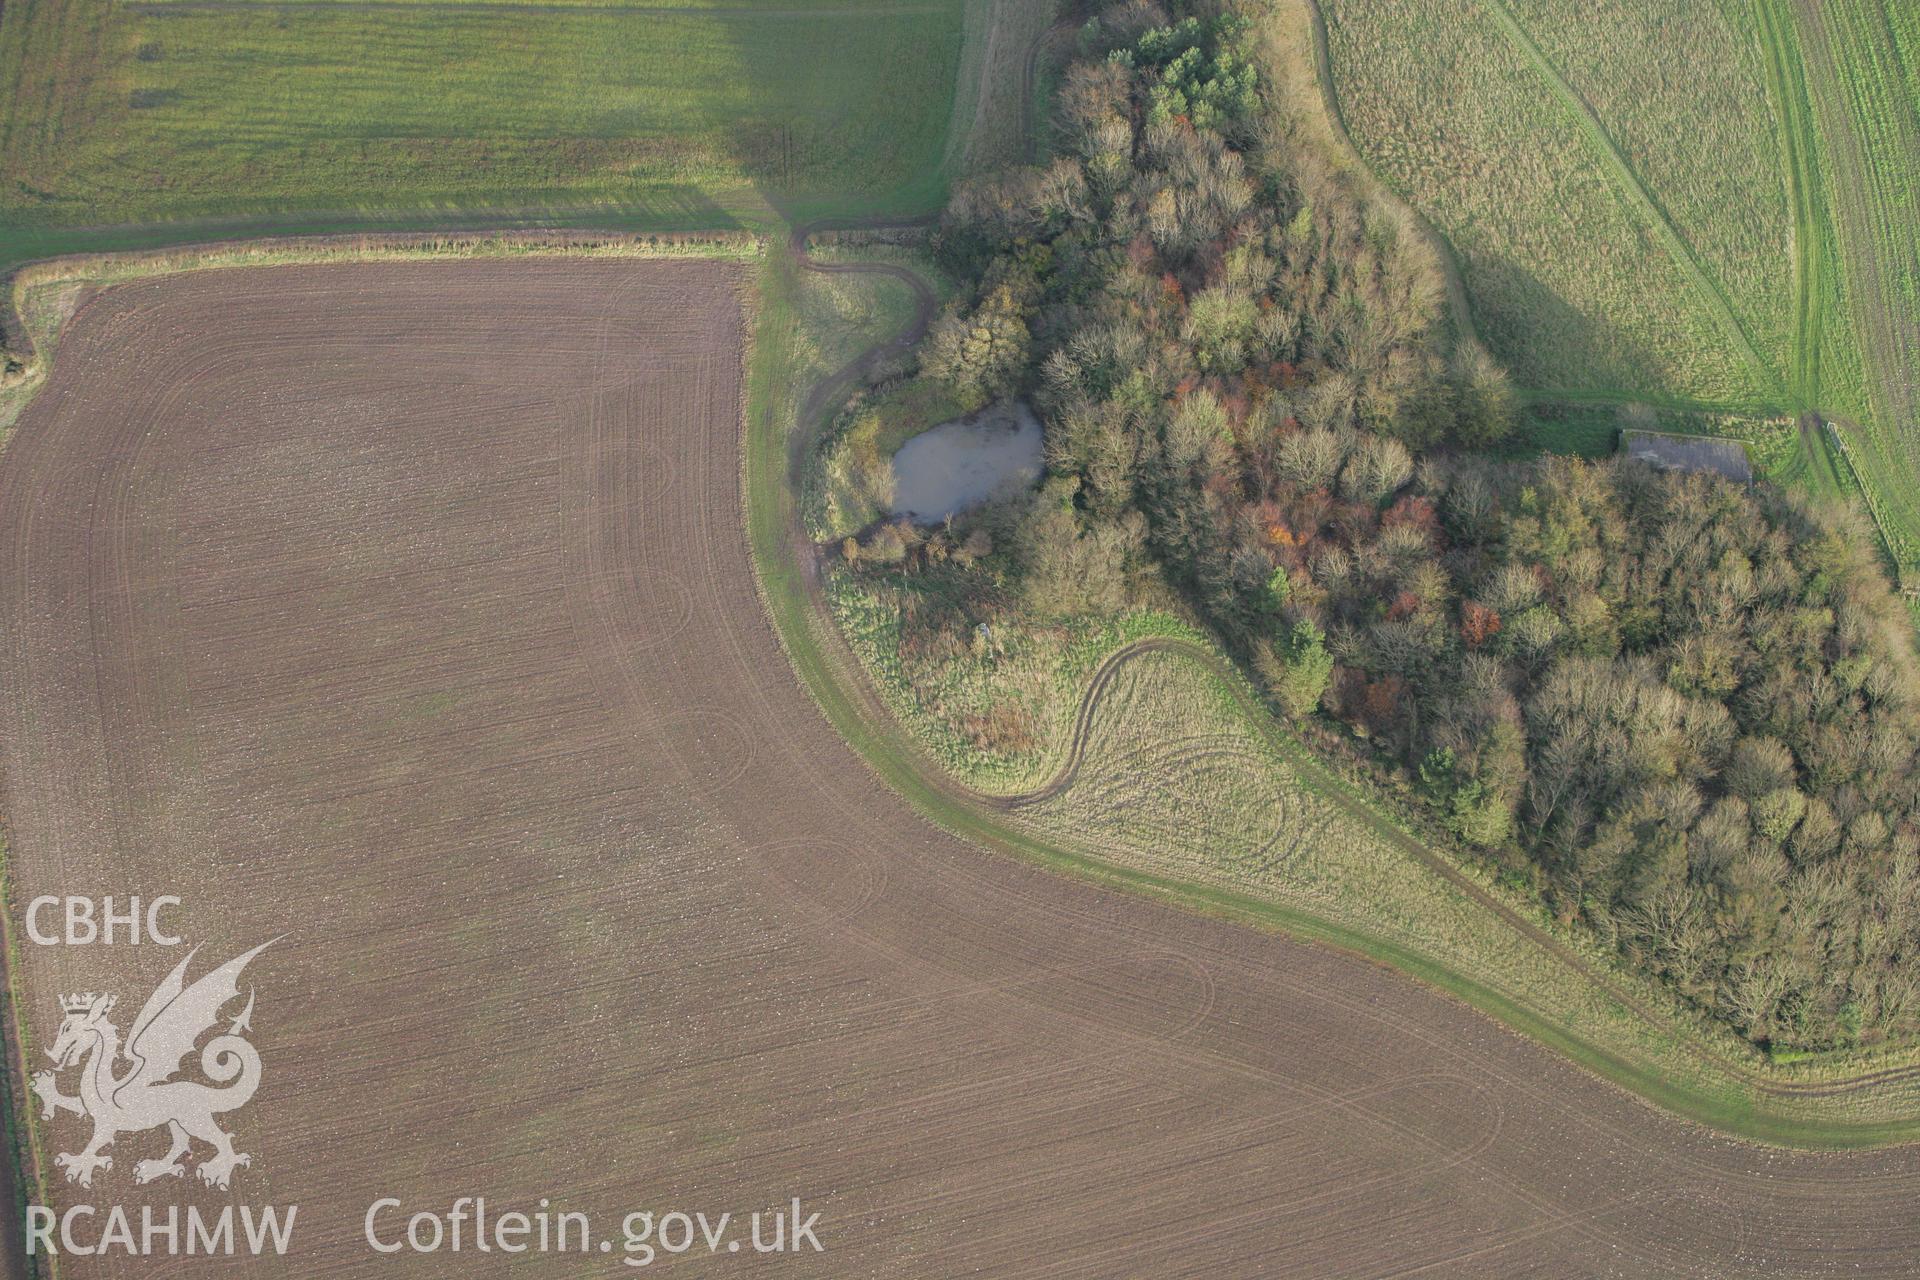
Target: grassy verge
1687	1069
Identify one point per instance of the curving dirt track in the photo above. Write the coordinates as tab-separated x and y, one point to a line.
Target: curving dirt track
1325	785
407	610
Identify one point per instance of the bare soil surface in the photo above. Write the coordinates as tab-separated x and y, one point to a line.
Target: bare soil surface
406	610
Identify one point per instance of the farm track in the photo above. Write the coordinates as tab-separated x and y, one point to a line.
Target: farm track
830	389
484	703
630	915
1799	144
834	388
837	384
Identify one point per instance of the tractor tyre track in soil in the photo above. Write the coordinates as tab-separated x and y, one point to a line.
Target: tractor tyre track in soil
1330	788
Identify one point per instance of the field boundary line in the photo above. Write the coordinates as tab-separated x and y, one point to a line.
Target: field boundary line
1681	404
1786	84
16	336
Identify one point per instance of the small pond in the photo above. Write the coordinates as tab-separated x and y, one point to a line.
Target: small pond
962	463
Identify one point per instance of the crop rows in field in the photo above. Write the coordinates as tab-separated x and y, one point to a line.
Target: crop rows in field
689	114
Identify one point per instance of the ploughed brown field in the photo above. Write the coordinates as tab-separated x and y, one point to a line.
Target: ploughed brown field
406	611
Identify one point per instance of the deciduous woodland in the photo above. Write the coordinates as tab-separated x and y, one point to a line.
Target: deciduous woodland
1680	710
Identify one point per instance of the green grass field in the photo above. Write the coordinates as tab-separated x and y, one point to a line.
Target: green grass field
1198	827
400	113
1858	63
1702	141
1692	207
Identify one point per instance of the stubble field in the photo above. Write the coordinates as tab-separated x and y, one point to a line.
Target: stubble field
407	610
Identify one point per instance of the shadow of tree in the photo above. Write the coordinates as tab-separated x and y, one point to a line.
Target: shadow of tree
1546	341
852	115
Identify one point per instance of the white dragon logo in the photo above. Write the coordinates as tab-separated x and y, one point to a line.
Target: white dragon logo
144	1096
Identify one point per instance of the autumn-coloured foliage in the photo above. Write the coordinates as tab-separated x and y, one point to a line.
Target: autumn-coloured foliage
1690	705
1383	701
1416	510
1478	624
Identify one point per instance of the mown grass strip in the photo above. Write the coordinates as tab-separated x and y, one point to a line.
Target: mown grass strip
1786	85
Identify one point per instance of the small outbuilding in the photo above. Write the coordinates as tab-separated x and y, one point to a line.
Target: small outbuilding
1689	453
